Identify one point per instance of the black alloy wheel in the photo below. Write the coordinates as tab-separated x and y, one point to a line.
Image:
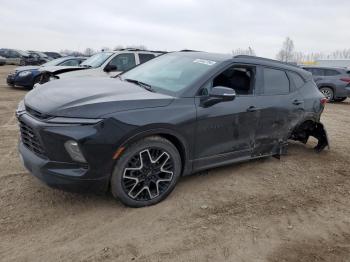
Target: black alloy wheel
146	173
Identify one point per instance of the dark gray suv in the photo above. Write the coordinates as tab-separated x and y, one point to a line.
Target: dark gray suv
334	83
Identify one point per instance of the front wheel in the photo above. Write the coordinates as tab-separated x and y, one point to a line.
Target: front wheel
327	92
146	172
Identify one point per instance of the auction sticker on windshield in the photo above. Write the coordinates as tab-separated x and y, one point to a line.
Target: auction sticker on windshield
204	62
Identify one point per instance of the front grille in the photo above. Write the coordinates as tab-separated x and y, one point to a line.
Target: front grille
30	140
37	114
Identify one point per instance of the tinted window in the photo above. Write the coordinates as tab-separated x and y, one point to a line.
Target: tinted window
145	57
297	80
331	72
124	62
317	71
275	82
239	78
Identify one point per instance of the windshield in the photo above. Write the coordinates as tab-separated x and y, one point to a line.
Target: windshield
170	73
97	60
23	53
55	62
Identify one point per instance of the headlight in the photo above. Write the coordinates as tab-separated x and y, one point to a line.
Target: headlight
69	120
24	73
20	108
73	150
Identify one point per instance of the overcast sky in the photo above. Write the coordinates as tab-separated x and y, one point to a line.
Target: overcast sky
210	25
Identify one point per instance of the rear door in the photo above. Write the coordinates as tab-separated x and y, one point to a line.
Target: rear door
279	106
144	57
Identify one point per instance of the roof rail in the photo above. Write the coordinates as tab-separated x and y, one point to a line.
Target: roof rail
138	49
188	50
265	59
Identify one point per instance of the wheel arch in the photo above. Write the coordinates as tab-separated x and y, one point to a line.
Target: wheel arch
174	137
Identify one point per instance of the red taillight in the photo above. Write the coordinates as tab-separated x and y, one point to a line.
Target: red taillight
345	79
323	101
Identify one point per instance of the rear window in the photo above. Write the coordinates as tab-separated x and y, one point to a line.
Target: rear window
315	71
145	57
276	82
297	80
331	72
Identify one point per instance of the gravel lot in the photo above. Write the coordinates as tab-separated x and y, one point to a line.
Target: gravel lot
293	209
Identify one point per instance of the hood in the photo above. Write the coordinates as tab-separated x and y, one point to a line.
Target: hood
91	97
88	72
60	69
25	68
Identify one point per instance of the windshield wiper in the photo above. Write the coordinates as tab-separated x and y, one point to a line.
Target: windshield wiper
139	83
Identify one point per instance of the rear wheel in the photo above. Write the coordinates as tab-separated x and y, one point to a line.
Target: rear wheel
327	92
146	172
341	99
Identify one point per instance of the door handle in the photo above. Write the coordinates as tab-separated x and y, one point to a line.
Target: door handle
252	109
298	102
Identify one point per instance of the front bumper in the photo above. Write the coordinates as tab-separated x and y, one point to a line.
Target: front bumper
42	150
10	79
64	176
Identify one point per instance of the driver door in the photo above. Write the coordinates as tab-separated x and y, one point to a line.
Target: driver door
226	130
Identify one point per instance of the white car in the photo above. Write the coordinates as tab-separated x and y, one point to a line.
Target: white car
107	64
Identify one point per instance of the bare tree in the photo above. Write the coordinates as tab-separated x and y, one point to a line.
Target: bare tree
239	51
89	51
287	51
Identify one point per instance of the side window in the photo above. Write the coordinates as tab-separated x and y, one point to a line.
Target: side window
331	72
145	57
124	62
276	82
239	78
71	62
317	71
297	79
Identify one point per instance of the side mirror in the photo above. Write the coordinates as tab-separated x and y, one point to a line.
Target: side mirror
110	68
219	94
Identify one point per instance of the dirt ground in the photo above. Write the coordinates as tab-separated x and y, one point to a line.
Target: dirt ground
293	209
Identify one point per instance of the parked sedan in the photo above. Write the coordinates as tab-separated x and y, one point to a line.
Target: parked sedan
53	55
334	83
2	60
28	76
40	57
17	57
177	114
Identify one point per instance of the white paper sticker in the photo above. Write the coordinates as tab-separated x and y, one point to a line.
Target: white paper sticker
204	62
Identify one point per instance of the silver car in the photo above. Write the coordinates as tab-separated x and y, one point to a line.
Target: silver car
333	82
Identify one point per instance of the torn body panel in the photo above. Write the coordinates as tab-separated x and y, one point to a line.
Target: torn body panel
315	129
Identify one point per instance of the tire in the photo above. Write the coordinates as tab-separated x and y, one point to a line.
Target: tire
328	93
146	172
340	99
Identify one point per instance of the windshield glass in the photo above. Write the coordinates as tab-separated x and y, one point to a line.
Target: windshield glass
97	60
23	53
55	62
170	73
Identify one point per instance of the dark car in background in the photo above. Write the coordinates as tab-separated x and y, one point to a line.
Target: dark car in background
334	83
28	76
2	60
177	114
17	57
53	55
40	57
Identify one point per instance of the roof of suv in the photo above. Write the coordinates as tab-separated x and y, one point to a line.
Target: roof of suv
246	59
